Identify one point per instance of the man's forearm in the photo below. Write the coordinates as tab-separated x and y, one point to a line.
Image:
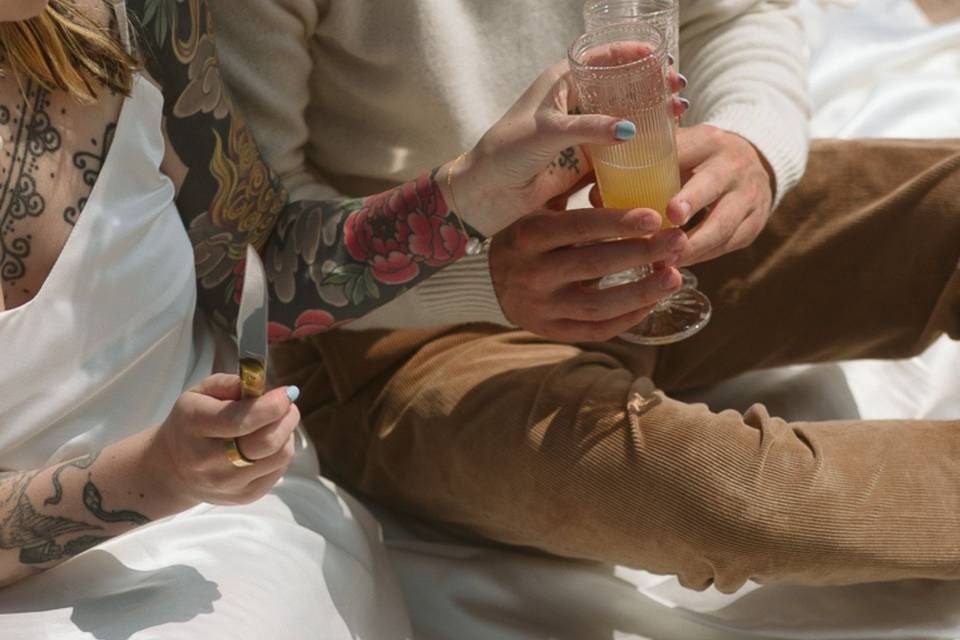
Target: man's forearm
51	514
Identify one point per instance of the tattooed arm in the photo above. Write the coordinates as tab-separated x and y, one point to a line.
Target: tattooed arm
230	198
49	515
331	261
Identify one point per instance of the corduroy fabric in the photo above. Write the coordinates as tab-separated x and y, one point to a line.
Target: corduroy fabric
940	11
578	450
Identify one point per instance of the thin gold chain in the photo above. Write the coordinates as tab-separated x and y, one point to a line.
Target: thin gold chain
453	196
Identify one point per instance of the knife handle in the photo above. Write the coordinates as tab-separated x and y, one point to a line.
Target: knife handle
253	378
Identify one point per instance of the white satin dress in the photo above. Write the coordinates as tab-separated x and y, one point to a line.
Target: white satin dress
103	351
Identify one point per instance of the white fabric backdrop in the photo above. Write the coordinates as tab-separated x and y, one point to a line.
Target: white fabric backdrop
879	70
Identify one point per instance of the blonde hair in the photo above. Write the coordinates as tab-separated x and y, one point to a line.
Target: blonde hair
63	49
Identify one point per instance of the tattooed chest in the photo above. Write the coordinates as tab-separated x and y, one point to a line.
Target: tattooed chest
51	155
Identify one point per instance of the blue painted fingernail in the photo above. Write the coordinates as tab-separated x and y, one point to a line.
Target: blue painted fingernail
293	392
671	59
685	103
625	130
683	80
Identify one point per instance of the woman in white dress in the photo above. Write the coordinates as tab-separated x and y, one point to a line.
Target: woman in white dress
120	512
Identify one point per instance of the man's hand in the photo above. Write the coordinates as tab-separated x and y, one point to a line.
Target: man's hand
726	173
542	267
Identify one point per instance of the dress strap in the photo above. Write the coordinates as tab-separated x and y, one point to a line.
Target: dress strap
123	23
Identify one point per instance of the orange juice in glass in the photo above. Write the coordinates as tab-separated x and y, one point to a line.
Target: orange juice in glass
626	182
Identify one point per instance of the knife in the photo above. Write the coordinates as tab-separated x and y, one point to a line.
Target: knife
252	327
252	345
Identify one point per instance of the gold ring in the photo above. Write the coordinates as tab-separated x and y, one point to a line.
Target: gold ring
236	458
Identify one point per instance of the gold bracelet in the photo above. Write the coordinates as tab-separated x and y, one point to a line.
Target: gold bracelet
474	246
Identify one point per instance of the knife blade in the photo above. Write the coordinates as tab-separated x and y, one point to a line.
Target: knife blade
252	327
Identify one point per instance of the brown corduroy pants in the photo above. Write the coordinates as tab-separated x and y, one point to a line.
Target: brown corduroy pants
580	451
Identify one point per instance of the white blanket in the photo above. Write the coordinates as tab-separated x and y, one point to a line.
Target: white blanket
879	70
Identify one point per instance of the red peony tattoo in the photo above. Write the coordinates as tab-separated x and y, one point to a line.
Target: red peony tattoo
394	232
307	324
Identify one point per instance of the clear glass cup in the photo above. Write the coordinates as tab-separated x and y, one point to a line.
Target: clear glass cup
663	14
621	70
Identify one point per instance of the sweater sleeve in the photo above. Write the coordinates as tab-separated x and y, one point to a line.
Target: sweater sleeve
271	84
462	292
747	65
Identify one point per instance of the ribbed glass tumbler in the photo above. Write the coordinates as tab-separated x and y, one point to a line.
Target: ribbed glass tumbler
622	70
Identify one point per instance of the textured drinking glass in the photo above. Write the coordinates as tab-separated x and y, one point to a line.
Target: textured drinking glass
663	14
621	70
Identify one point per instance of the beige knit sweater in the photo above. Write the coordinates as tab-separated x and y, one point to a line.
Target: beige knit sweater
352	96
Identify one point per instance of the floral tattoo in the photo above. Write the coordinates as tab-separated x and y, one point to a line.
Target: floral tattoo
357	254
